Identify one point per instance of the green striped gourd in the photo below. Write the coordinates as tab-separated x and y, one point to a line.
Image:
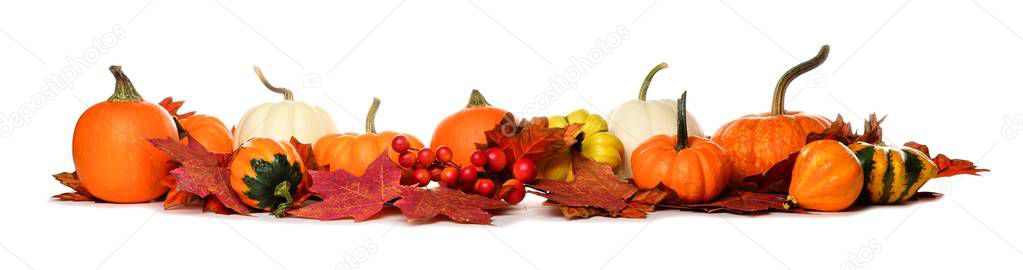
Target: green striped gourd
892	174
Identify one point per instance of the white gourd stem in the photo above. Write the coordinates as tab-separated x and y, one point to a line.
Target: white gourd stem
288	95
778	103
371	126
650	77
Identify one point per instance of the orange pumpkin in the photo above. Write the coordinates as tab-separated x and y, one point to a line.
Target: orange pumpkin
694	167
262	168
352	152
114	160
464	129
756	142
208	131
827	177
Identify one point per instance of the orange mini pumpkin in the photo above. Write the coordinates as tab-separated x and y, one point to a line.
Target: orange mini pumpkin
352	152
464	129
114	161
827	177
263	168
694	167
756	142
208	131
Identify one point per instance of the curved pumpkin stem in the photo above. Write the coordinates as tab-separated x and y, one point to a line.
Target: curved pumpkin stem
371	126
288	95
124	91
650	77
476	100
778	103
682	136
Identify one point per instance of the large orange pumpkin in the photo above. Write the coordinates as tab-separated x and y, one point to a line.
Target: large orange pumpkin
756	142
694	167
827	177
262	168
464	129
114	161
353	152
208	131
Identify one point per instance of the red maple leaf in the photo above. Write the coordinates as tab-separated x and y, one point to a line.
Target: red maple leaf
741	202
948	166
359	197
533	139
172	107
595	185
202	172
70	179
425	204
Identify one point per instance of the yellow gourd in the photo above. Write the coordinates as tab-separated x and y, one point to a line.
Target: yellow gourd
596	144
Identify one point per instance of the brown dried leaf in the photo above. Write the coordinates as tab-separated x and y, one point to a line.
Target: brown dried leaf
947	166
532	139
741	202
70	179
595	185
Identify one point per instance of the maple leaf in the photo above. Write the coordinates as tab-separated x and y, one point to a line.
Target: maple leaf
841	131
80	194
172	107
176	198
775	180
532	139
202	172
948	166
425	204
305	151
359	197
741	202
215	206
595	185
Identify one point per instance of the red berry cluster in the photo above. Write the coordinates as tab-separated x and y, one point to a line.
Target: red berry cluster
436	165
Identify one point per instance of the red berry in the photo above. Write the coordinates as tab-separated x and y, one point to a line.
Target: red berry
400	144
485	187
422	176
449	177
426	156
444	154
468	174
478	159
517	192
524	170
407	159
496	160
435	172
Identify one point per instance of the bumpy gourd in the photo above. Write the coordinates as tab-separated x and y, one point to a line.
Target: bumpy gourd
266	174
596	144
282	120
637	120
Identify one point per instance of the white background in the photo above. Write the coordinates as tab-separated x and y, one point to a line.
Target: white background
947	73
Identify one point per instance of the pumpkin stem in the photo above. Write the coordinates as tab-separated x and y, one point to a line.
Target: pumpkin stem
124	91
650	77
283	190
477	100
778	103
288	95
790	203
371	126
682	137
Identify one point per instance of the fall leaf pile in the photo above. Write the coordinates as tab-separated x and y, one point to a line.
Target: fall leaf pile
287	159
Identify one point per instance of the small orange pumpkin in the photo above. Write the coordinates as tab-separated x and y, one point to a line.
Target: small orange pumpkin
263	168
694	167
827	177
114	161
208	131
464	129
352	152
756	142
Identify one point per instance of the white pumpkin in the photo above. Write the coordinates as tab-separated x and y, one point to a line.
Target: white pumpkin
282	120
635	121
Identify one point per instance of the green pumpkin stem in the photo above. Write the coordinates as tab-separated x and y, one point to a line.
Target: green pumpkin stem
124	91
283	190
650	77
778	103
288	95
682	140
371	126
476	100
